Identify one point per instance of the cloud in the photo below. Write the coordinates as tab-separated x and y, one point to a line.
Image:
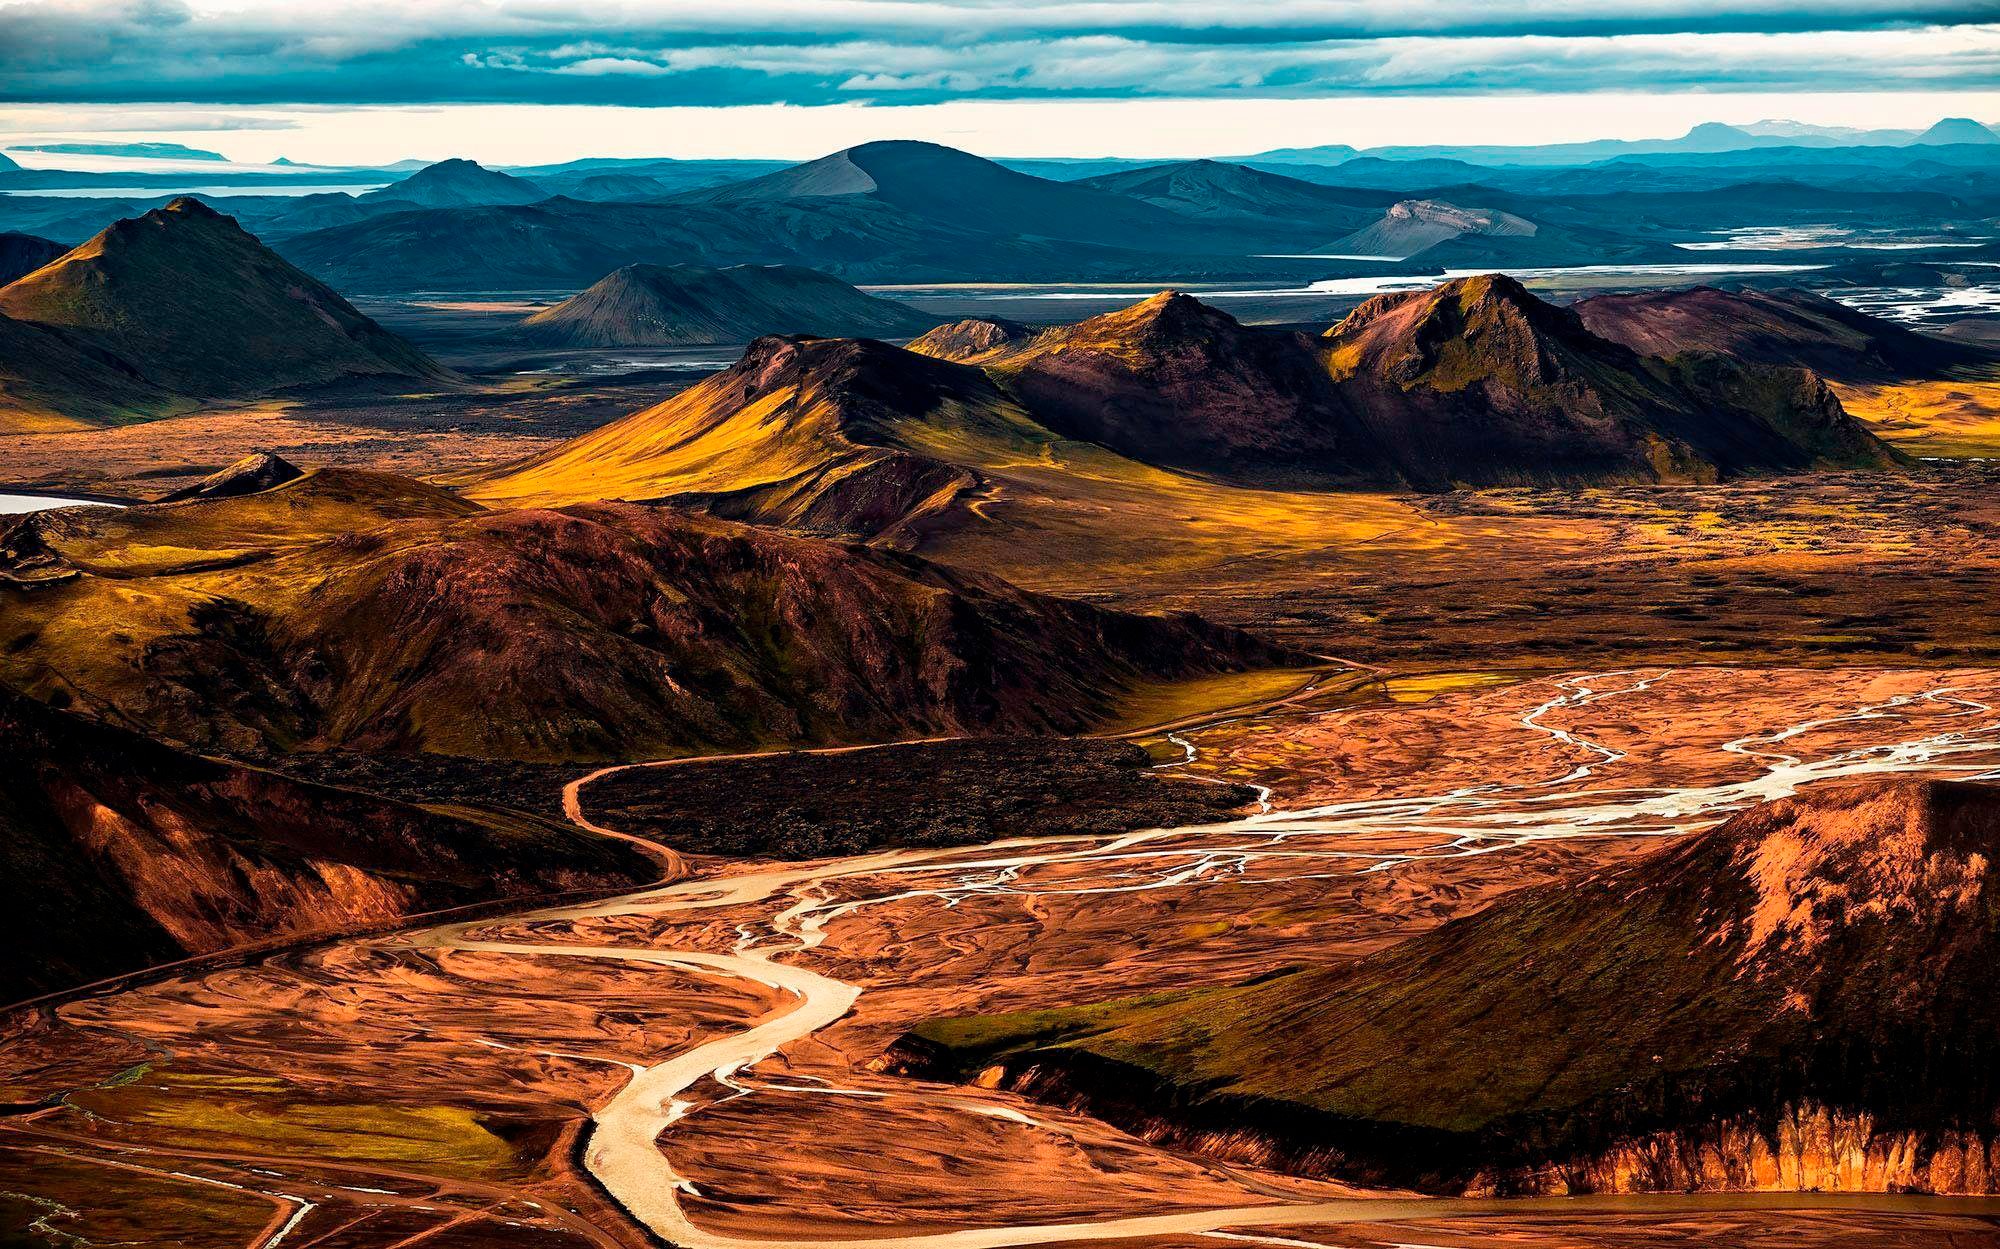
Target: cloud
663	52
597	66
72	121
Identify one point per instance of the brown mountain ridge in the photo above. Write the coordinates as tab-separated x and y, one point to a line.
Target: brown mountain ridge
1800	998
359	610
1785	327
1479	382
190	307
1476	382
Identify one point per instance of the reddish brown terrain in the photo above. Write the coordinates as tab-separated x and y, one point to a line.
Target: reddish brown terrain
1779	327
1567	405
1731	1013
122	852
1171	381
1477	774
1384	825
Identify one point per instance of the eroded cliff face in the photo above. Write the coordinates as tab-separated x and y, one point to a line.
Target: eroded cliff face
210	893
1811	1148
1807	1148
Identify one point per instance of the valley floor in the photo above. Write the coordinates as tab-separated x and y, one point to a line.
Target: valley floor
501	1082
1831	568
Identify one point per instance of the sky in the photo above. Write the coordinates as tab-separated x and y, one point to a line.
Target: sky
522	81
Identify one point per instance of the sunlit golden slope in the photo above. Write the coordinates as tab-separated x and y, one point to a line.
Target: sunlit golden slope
1949	418
1166	438
833	435
873	442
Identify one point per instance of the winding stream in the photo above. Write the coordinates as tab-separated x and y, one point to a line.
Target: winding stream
624	1150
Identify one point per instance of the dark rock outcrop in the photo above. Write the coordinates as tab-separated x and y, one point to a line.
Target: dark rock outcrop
252	474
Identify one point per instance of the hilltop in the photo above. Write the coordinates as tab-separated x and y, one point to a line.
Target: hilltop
456	184
1956	130
1171	381
1477	380
185	300
679	305
1412	226
927	181
972	340
838	436
253	474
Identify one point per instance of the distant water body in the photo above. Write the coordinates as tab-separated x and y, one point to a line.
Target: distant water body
1920	305
1808	237
167	192
1373	284
16	504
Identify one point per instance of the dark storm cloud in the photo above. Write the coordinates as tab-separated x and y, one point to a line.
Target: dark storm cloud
919	51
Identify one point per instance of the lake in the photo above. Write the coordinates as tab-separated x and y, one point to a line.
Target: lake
16	504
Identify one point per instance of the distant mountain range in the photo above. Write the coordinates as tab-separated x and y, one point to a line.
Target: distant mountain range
1709	137
575	178
1219	191
149	151
930	182
901	212
879	212
908	212
457	184
1475	382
